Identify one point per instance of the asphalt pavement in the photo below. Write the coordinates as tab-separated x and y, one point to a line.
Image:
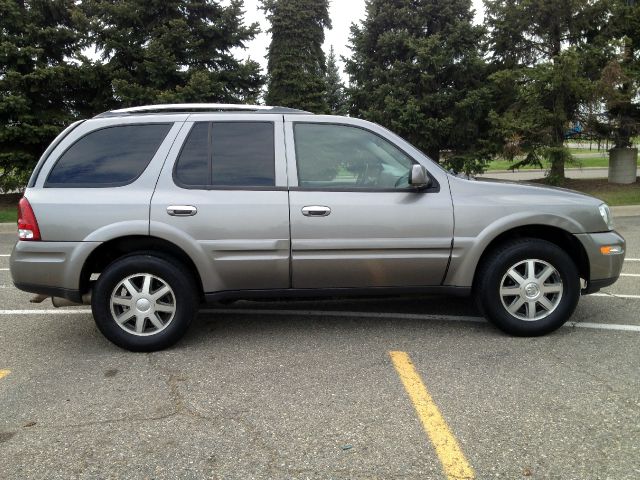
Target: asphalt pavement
301	390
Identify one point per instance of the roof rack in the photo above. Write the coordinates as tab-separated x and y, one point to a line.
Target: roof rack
196	108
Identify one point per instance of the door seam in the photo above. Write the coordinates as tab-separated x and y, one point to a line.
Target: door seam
286	164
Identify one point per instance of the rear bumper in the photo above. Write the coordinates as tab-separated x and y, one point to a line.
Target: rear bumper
73	295
50	268
604	270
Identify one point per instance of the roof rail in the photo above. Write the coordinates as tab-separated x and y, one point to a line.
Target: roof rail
196	108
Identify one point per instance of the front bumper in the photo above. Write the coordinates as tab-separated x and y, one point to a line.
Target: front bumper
604	270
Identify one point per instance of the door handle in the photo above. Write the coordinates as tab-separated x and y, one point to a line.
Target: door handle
316	211
182	210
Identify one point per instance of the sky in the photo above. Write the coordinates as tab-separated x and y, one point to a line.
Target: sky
343	13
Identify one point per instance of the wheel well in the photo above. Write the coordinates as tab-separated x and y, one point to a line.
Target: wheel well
110	251
563	239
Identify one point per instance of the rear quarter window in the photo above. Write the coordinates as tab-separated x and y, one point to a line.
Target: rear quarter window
109	157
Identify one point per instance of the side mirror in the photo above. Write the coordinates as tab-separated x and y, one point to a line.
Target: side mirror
419	177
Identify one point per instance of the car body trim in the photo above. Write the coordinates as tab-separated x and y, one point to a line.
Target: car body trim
311	293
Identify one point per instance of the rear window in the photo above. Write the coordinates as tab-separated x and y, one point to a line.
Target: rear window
109	157
227	154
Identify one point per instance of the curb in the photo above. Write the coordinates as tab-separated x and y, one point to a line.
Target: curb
8	228
625	211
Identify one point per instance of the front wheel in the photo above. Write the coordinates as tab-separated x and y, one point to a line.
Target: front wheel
144	303
528	287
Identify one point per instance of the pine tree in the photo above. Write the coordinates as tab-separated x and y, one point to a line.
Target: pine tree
543	74
41	72
335	95
161	51
620	81
417	68
296	62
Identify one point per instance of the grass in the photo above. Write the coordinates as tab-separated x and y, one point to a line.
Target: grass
8	208
585	151
583	158
613	194
590	161
8	214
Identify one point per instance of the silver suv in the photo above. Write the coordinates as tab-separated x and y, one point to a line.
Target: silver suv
147	212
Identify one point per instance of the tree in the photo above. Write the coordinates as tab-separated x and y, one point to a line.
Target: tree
162	51
543	74
335	95
41	70
620	81
296	62
417	68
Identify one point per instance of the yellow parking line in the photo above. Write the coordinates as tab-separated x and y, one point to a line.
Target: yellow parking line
4	373
454	463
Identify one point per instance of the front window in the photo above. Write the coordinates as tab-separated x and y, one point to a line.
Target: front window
344	157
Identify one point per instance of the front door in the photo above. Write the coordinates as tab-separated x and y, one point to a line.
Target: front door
355	221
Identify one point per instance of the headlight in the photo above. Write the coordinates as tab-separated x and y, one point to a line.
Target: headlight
605	213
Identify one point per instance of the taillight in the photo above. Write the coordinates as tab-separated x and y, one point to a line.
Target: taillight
27	223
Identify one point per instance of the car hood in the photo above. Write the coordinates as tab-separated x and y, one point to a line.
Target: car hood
484	201
531	188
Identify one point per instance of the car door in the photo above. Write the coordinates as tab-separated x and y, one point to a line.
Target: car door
355	220
222	197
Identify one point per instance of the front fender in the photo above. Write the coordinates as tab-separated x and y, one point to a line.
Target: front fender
467	250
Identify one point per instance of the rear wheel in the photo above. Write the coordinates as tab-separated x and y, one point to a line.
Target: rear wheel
528	287
144	303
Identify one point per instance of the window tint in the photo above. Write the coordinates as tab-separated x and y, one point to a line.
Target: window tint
193	165
339	156
109	157
227	154
243	154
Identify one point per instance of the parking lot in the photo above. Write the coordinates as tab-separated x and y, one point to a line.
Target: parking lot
387	388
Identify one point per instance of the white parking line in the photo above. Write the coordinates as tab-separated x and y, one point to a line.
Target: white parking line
45	312
333	313
6	270
630	274
5	255
632	259
604	326
613	295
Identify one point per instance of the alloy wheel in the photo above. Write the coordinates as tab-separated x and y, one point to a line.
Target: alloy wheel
143	304
531	289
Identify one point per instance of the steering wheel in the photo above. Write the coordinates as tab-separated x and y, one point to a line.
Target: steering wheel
362	177
404	179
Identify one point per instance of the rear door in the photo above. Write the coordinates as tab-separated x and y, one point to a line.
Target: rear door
355	221
222	196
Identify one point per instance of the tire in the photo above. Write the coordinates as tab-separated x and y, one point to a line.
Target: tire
155	300
507	294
